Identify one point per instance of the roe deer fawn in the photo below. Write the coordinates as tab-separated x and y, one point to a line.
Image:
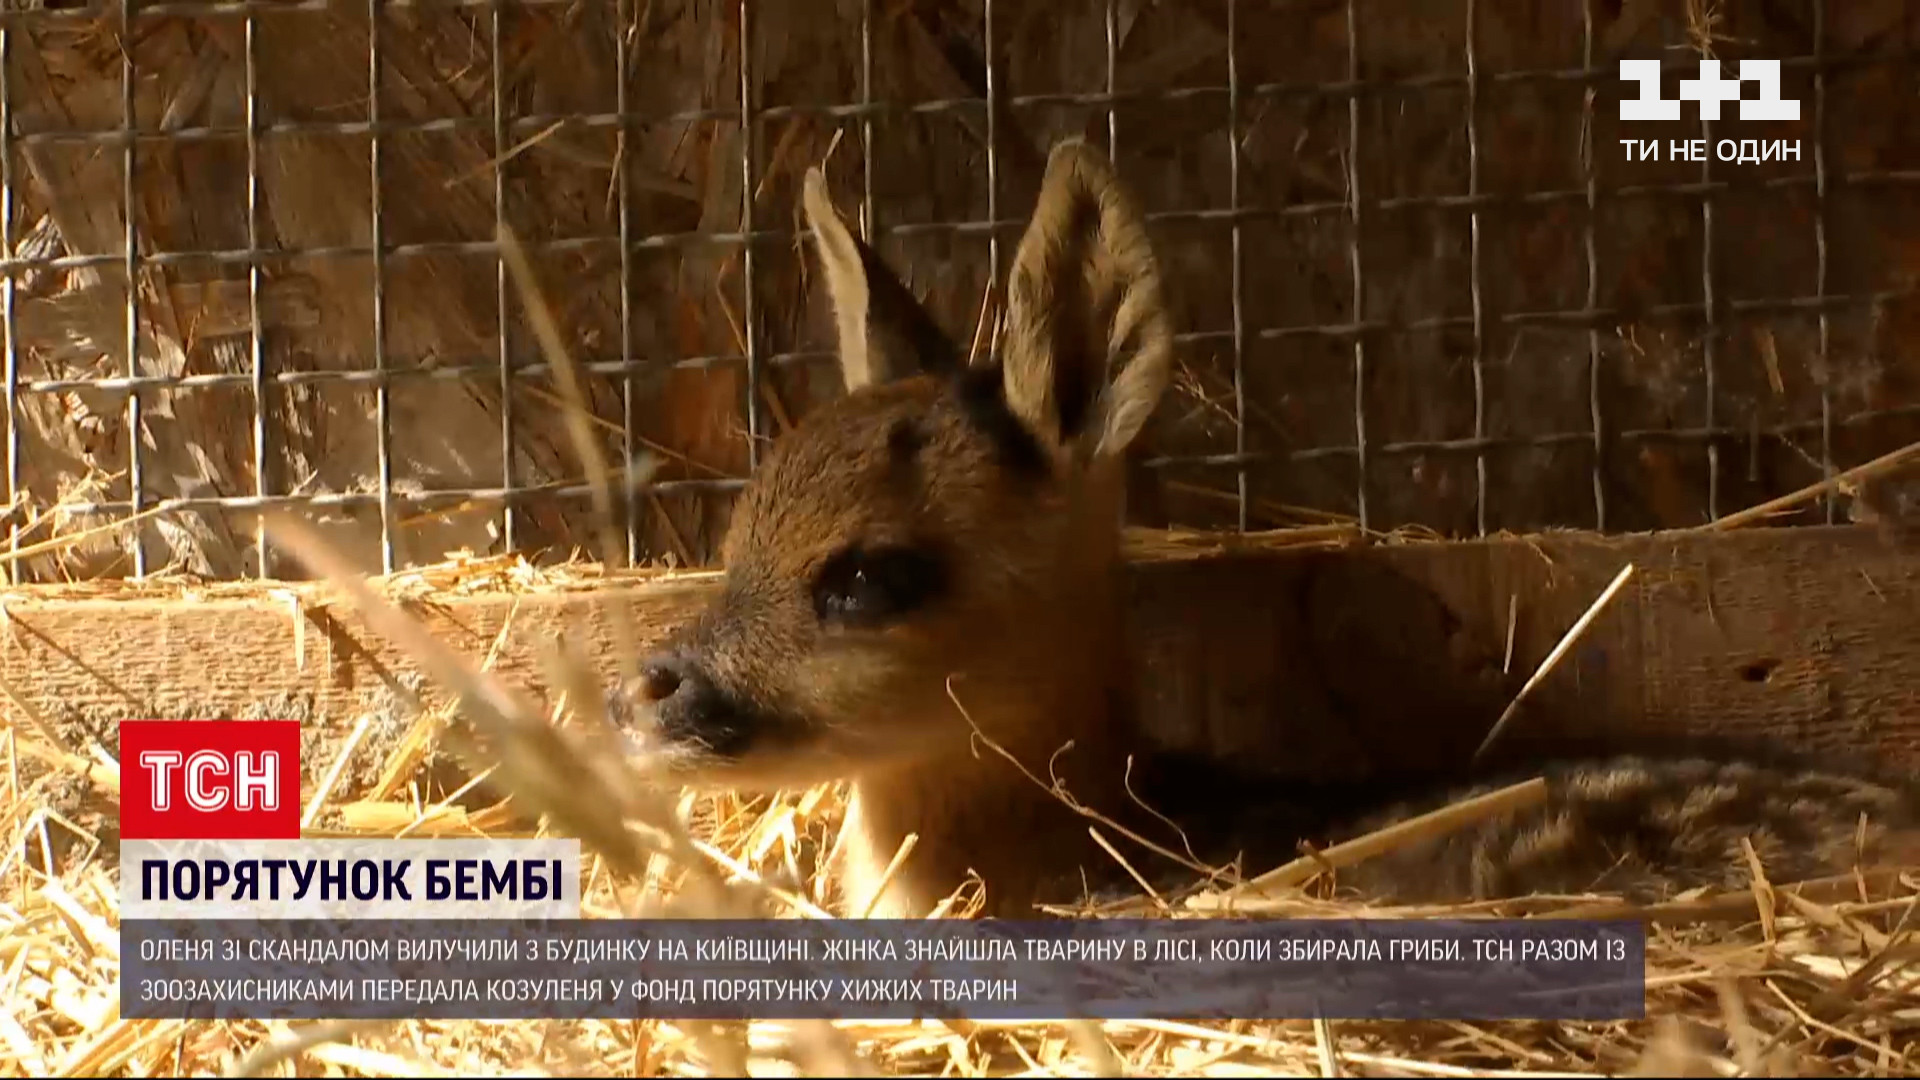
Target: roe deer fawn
933	558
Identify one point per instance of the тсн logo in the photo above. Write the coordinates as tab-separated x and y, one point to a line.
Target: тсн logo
210	780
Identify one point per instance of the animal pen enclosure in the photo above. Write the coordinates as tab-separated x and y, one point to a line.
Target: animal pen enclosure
1421	286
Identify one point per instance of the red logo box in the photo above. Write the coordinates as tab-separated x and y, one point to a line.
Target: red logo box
210	780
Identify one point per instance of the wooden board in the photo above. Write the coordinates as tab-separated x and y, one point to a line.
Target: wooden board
1390	659
1380	660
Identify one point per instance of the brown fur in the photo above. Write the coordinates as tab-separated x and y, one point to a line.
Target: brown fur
1001	622
1646	829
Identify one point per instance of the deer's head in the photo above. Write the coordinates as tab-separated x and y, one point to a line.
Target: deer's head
939	519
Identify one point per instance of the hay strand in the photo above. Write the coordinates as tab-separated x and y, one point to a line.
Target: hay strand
1413	830
1554	657
1883	465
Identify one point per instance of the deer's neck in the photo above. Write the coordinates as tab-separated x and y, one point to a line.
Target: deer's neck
986	807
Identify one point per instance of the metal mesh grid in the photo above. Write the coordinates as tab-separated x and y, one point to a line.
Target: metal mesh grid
1362	210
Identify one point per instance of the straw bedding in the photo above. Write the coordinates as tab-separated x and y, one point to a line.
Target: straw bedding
1776	980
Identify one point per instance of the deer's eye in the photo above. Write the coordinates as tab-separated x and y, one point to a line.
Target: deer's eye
868	587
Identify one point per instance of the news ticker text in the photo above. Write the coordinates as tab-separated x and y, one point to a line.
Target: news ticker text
1174	969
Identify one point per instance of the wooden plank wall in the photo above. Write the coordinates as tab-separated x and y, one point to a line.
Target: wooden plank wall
1339	664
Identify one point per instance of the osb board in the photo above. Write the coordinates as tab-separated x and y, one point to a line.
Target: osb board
1361	662
930	166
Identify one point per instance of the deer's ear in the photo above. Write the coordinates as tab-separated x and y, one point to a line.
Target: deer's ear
1089	339
884	332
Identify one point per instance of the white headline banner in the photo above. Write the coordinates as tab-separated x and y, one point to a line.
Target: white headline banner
464	878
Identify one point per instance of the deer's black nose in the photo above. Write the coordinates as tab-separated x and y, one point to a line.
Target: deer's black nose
660	678
686	706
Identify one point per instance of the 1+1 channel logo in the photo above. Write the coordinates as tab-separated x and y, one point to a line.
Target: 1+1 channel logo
1711	91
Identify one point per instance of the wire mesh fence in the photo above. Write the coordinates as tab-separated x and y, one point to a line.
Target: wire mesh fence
251	255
